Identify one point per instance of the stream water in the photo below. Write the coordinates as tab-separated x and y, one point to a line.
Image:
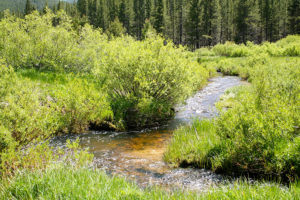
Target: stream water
138	155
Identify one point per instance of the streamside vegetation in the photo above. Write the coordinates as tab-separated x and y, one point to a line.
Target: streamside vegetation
257	131
61	182
56	79
60	75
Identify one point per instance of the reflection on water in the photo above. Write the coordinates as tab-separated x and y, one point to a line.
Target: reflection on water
138	155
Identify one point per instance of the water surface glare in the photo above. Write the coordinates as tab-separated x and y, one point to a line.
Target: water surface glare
138	155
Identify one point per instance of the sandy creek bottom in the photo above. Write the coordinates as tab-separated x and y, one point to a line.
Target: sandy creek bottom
138	156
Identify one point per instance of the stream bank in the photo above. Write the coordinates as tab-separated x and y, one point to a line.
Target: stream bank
138	155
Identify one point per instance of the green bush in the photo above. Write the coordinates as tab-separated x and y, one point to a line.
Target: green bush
144	79
292	51
33	109
39	155
231	50
145	86
6	140
35	42
258	130
288	46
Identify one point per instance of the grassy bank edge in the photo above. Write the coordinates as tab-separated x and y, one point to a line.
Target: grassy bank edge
63	182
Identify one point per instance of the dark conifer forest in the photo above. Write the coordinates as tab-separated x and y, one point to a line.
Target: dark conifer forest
196	23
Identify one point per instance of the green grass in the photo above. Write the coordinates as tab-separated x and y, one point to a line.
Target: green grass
63	182
257	131
193	144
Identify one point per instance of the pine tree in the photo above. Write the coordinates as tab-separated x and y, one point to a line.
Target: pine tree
179	17
159	16
139	17
93	12
45	9
82	6
283	18
29	7
60	5
148	9
112	10
216	25
253	21
102	18
241	21
193	22
294	17
125	14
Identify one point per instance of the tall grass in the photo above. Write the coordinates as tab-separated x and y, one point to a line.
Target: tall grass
192	145
63	182
259	133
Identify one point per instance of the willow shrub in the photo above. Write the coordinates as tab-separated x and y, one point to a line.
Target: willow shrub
33	109
146	79
231	49
40	41
288	46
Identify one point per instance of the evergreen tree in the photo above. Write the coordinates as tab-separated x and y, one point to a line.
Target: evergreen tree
45	9
193	24
122	12
139	17
253	21
241	21
125	15
82	6
159	16
29	7
179	17
60	5
283	17
112	9
216	23
93	12
148	9
294	17
102	18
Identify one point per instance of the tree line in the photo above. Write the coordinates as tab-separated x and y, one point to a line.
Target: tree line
192	22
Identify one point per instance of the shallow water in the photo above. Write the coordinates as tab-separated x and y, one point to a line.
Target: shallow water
138	155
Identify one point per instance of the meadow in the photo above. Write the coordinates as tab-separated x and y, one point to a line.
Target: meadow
58	79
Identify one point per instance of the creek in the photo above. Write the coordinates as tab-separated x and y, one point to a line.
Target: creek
138	155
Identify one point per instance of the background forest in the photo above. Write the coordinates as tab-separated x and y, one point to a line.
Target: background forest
195	23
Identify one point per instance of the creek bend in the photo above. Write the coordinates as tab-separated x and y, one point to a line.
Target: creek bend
138	155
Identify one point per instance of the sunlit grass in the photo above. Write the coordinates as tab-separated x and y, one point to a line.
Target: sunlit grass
192	144
63	182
